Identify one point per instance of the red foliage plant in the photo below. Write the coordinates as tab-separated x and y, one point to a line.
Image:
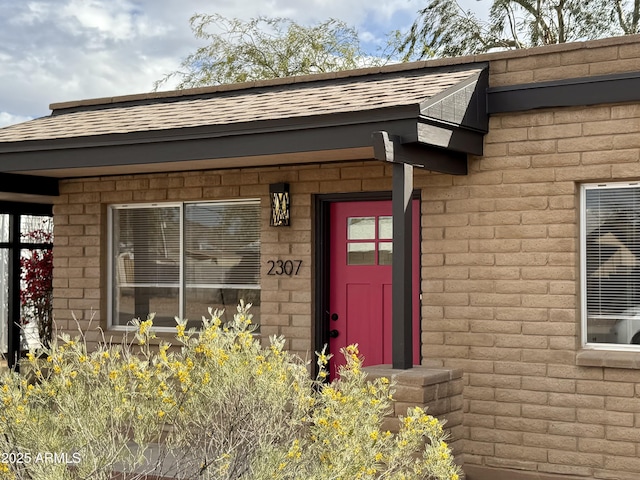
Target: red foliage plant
36	292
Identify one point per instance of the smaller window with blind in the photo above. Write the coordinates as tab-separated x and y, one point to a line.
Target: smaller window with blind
610	265
179	259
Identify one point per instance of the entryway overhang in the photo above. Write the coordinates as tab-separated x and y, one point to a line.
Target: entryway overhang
318	118
452	126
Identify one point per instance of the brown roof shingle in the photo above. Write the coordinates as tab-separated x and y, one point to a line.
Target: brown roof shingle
227	106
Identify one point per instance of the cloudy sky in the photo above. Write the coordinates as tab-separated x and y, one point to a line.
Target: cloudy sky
60	50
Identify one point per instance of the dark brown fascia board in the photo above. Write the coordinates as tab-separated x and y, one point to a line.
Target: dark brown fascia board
176	148
390	148
432	133
448	137
284	125
30	184
596	90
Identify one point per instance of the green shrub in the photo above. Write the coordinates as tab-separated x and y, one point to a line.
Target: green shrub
221	406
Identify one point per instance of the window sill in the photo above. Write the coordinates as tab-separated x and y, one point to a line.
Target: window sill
608	358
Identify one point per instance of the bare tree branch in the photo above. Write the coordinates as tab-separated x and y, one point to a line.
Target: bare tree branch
443	28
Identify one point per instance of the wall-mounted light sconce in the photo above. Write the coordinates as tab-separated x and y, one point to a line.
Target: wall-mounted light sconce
280	204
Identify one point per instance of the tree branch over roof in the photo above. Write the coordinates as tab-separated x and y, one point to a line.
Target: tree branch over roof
262	48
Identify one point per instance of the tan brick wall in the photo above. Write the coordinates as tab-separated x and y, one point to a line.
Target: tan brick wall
501	280
286	303
571	60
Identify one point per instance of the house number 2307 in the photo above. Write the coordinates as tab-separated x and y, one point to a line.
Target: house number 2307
284	267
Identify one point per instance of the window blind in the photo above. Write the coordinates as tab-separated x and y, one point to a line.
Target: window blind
222	245
147	246
179	259
612	244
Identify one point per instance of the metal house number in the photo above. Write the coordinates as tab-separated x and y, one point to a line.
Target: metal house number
284	267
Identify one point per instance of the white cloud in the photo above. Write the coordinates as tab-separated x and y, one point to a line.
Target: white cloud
33	12
112	19
58	50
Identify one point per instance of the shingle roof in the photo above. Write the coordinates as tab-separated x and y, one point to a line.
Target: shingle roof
228	105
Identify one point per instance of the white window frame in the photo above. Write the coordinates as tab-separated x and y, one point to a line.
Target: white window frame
181	287
583	267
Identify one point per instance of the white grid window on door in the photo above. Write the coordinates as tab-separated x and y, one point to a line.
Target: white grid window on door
369	240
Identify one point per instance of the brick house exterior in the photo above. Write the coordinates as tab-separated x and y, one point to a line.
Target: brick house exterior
499	255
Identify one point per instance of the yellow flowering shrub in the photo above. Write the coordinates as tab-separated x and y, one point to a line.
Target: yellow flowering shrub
216	405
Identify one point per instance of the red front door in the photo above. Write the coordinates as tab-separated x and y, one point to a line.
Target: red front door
360	280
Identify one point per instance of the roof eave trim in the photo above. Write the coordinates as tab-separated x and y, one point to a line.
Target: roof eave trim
387	114
211	149
572	92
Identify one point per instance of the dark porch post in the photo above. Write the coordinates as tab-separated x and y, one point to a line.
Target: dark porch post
401	298
13	310
384	148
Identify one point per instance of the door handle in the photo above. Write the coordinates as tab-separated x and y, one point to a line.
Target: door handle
334	333
334	317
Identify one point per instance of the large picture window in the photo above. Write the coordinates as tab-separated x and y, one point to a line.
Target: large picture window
179	259
610	236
